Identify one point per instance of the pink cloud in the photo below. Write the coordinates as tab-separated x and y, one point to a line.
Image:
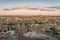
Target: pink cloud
32	7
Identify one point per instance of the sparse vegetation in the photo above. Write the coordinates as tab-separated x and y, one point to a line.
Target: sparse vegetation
28	24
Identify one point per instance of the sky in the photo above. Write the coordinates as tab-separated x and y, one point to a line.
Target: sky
13	3
43	7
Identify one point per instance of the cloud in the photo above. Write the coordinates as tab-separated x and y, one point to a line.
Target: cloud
31	8
38	10
55	7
